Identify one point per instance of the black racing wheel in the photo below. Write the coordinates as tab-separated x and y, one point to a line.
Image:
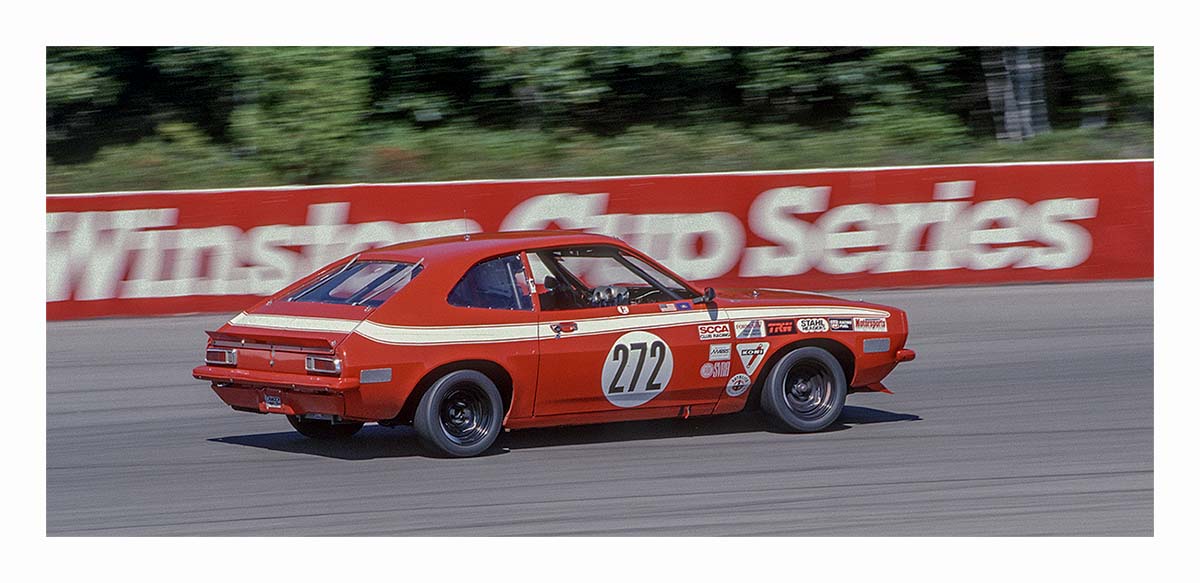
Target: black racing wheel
460	414
805	390
320	429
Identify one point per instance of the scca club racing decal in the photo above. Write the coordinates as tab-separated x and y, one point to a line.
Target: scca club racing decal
714	331
737	385
811	325
752	355
744	329
714	370
780	327
637	369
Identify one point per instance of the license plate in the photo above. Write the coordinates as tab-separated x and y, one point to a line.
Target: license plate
273	401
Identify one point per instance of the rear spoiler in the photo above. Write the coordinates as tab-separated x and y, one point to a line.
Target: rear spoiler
289	342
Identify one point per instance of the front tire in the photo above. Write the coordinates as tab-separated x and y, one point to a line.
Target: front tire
806	390
318	429
460	414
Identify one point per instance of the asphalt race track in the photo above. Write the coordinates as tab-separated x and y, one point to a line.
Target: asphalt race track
1029	411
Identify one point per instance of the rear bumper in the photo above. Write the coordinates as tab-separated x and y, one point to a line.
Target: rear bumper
284	401
271	392
237	376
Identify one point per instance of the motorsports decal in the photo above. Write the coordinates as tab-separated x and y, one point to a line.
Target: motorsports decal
147	253
637	369
870	325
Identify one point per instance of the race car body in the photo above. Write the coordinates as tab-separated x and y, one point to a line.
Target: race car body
461	336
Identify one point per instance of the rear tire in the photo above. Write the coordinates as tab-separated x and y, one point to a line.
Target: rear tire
318	429
805	391
460	414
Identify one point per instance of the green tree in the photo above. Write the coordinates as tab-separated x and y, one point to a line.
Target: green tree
1113	83
304	108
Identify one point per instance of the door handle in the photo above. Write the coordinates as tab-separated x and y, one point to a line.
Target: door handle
564	327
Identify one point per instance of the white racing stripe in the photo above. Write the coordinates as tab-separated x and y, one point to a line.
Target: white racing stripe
294	323
433	335
426	335
804	312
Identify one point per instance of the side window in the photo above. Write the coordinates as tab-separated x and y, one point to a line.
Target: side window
495	284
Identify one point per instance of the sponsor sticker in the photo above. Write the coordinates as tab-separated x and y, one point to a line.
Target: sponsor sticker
719	351
681	306
714	370
622	310
667	307
811	325
637	369
780	327
752	355
714	331
737	385
841	324
749	329
870	325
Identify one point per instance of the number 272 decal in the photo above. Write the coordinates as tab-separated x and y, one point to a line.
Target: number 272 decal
637	369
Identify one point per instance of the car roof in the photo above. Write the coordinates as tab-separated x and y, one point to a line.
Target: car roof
477	246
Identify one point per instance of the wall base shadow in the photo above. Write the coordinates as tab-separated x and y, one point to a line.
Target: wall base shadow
375	442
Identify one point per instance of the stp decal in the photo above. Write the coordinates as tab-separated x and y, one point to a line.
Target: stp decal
713	370
870	325
811	325
749	329
737	385
780	327
752	355
714	331
637	369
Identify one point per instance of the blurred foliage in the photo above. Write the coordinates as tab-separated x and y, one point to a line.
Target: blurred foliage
179	156
304	108
190	117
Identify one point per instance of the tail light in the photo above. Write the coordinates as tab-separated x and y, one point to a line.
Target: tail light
221	356
323	365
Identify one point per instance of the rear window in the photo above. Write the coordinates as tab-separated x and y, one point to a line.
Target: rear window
365	283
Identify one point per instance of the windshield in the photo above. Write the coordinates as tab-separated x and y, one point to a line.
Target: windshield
580	277
365	283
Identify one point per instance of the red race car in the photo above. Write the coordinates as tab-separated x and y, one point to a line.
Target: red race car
461	336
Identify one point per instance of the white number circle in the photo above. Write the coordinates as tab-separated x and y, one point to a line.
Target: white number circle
637	369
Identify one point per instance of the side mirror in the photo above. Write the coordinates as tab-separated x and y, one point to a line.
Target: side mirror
709	295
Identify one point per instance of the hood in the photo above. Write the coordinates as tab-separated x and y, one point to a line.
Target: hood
761	296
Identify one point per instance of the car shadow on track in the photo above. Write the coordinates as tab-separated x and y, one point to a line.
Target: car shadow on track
375	442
